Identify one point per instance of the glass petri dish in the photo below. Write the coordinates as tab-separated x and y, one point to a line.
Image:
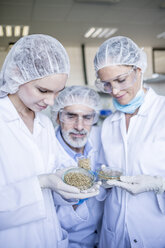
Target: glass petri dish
79	177
109	173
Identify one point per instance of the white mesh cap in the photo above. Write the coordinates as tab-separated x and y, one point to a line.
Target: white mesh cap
32	57
120	50
76	95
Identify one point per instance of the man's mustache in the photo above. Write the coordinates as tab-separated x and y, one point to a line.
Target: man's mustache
78	132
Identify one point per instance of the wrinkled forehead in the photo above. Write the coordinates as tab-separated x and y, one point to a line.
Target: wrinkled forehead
78	108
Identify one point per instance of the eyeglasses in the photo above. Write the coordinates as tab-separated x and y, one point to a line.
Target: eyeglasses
122	82
72	117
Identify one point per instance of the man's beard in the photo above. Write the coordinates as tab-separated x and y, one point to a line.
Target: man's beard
75	142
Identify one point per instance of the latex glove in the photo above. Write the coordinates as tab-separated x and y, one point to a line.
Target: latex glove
104	182
54	182
139	184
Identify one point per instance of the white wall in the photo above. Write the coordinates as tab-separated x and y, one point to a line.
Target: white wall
149	70
76	76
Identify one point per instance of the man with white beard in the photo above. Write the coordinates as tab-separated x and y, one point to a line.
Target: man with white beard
75	110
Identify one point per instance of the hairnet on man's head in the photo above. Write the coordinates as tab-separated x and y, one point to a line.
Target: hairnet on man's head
120	50
76	95
32	57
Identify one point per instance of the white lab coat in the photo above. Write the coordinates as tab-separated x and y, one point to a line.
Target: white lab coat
82	222
141	150
28	217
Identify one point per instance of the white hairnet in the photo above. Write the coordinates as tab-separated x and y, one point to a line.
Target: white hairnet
120	50
76	95
32	57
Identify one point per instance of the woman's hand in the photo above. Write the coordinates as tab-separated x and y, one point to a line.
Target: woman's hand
139	184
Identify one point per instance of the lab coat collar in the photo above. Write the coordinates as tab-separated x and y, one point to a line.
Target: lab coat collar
149	99
38	119
10	113
8	110
116	116
144	108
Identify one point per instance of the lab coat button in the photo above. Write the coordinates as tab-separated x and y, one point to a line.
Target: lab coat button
135	240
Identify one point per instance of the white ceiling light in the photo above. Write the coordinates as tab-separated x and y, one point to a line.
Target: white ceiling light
111	32
8	31
105	30
25	30
13	30
89	32
17	31
100	32
161	35
1	31
97	32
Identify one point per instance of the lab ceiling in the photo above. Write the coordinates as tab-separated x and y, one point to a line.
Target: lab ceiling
68	20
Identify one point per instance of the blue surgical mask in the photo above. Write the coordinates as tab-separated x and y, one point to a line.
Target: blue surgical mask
135	103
